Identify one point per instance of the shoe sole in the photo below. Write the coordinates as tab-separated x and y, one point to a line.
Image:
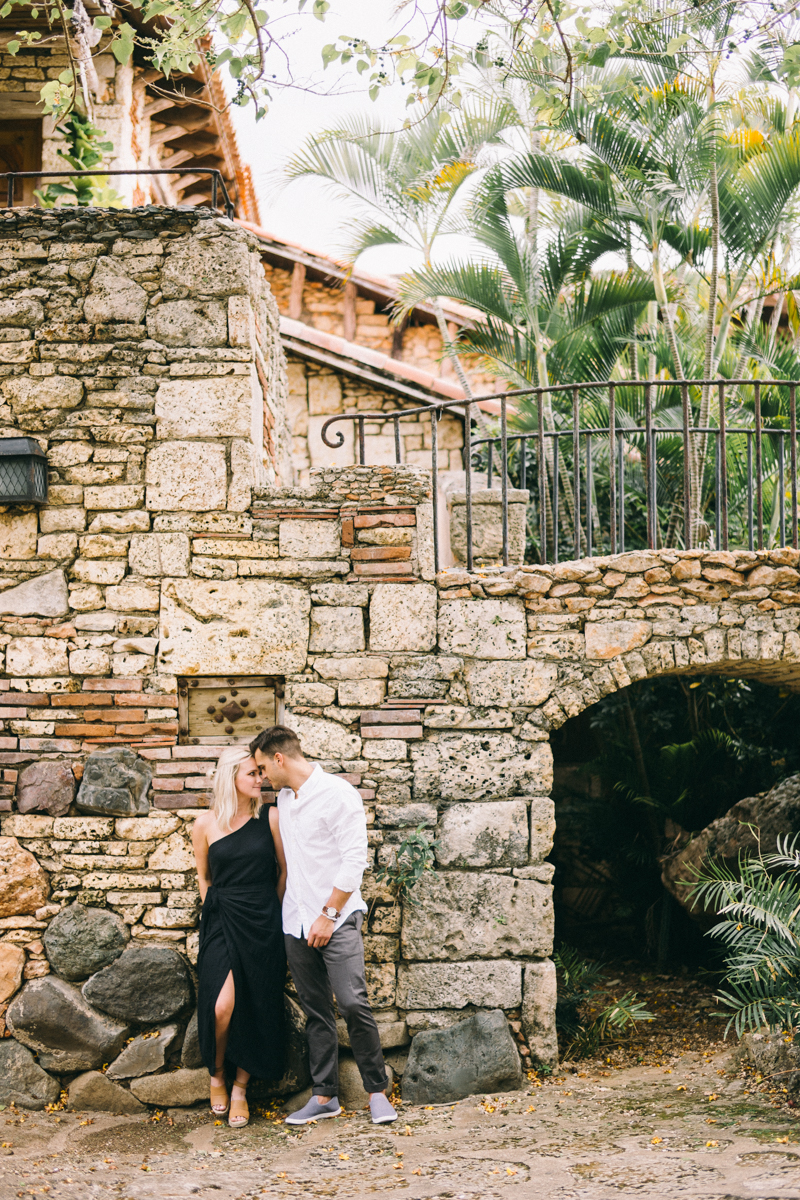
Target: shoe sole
383	1120
308	1120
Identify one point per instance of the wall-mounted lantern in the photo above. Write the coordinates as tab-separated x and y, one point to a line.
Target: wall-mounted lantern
23	471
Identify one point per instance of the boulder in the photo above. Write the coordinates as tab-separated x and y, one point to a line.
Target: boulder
776	1056
51	1016
773	815
115	783
22	1080
46	787
80	941
147	984
12	962
23	883
94	1092
145	1054
190	1051
43	596
477	1055
175	1089
352	1094
296	1074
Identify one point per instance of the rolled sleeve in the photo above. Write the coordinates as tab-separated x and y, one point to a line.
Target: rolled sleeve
349	827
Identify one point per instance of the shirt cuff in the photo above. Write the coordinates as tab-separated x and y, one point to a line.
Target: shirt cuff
348	883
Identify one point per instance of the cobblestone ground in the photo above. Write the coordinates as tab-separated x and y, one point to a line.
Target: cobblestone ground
690	1129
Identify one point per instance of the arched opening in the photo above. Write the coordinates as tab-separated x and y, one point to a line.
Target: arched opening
637	776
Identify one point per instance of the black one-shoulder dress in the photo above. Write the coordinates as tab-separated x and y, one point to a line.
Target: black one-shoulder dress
241	931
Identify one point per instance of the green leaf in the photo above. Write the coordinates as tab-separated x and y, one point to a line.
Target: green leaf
677	43
102	22
13	47
329	54
122	46
373	92
320	9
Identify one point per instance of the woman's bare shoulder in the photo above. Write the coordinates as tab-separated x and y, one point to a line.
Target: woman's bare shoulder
203	823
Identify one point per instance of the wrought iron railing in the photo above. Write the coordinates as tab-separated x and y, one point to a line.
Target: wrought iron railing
217	181
549	444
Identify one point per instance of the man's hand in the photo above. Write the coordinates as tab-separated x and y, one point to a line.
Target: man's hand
320	932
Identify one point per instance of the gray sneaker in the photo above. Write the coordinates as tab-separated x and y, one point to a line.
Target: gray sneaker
382	1111
314	1111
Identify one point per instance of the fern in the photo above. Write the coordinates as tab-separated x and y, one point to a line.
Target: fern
579	989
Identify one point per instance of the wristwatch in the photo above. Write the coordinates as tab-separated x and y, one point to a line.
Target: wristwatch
331	913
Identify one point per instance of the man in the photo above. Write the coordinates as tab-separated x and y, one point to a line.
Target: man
324	834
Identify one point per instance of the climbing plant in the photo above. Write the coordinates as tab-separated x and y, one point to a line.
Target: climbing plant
85	150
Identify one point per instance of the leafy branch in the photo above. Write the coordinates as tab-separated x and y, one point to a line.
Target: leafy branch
414	856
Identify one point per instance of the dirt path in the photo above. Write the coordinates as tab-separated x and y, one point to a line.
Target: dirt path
689	1129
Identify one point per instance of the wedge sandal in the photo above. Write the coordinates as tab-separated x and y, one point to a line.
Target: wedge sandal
219	1095
239	1114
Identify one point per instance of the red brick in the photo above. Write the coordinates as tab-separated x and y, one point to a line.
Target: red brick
180	768
10	776
113	685
181	800
367	793
391	731
384	568
392	716
8	714
362	521
7	789
5	804
81	729
31	699
348	777
155	755
15	758
62	745
164	727
152	701
167	785
380	553
8	743
76	700
348	533
113	714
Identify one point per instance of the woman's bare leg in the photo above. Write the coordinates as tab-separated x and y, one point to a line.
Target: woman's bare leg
239	1092
223	1011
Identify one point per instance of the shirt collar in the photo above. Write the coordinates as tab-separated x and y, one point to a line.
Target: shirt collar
310	785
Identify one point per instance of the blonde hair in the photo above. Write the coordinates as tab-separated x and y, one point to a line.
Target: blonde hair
224	799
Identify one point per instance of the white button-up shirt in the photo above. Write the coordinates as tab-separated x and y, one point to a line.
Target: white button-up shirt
324	834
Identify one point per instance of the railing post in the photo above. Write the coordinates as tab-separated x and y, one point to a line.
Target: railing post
589	489
214	190
397	455
612	474
523	463
555	498
468	478
504	482
793	456
434	480
759	483
723	464
749	489
576	470
621	456
687	474
648	465
10	192
542	466
782	487
361	448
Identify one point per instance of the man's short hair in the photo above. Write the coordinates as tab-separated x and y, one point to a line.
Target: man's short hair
278	739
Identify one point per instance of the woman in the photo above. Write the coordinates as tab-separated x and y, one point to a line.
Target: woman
241	873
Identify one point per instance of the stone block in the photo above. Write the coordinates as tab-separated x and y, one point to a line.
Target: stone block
44	596
57	545
40	657
145	829
143	1055
309	539
12	962
385	750
336	629
28	827
80	941
94	1092
458	914
455	985
403	617
609	639
159	554
46	787
99	571
340	593
509	684
89	662
53	520
352	668
474	1056
324	395
131	521
309	694
113	296
211	267
362	693
189	476
133	597
175	1089
483	835
40	403
405	815
21	311
324	739
18	535
115	783
113	497
174	854
474	766
489	629
381	985
487	525
539	1012
211	408
215	628
543	827
188	323
146	984
51	1017
22	1080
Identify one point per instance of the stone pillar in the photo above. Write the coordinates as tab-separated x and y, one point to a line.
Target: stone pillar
487	525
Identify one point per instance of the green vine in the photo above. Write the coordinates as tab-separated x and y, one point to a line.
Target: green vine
413	858
84	151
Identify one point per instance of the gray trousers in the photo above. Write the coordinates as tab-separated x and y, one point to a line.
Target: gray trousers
318	974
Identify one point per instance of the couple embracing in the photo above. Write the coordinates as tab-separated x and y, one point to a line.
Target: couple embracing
282	882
